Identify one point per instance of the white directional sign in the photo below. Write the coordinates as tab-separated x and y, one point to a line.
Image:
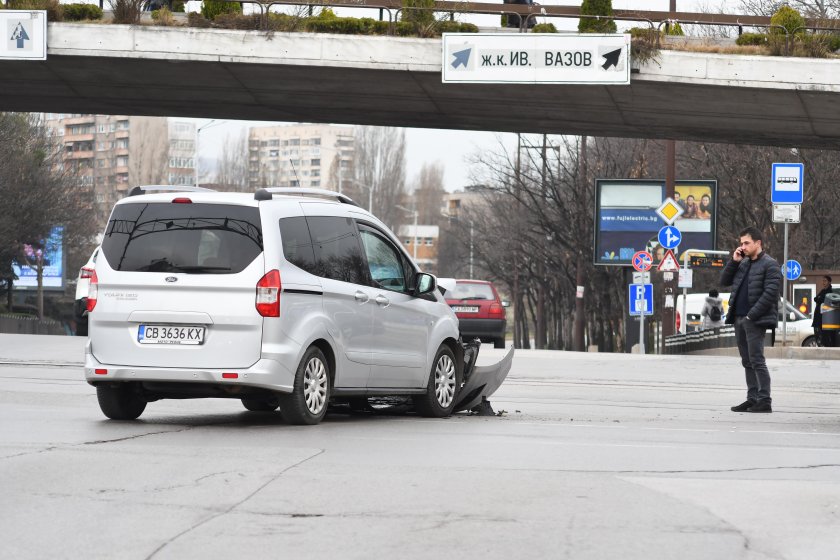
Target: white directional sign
529	58
25	35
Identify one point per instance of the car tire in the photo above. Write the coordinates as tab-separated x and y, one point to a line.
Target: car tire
307	403
442	388
261	405
810	342
499	343
120	402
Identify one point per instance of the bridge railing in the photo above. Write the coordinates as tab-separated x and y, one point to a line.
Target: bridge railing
655	20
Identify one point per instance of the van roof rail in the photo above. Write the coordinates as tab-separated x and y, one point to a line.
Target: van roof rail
140	189
266	194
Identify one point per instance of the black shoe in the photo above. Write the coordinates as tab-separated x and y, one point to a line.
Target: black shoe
760	406
743	407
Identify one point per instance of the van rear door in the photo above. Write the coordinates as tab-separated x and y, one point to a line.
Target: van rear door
176	286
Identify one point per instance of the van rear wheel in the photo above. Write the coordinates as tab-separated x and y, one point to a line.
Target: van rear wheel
120	401
261	405
307	403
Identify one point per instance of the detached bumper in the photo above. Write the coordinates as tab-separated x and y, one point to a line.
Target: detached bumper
482	382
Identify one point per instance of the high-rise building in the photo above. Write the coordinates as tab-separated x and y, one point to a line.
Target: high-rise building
302	155
113	153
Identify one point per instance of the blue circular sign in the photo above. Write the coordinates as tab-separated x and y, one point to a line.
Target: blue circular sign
793	269
670	237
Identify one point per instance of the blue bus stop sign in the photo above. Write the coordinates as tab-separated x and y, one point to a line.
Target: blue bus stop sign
793	270
786	186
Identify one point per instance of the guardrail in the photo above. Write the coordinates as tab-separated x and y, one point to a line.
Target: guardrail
15	324
707	339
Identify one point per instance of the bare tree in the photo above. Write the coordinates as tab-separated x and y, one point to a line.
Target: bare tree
380	169
232	171
428	193
37	192
821	9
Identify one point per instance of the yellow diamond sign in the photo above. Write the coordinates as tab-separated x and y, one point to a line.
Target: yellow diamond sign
670	211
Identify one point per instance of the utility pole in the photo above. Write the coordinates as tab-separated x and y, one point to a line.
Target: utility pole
580	307
517	307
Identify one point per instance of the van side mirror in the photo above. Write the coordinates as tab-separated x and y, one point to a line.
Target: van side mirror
424	283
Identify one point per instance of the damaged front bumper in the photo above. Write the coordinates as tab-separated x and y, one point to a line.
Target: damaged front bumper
480	382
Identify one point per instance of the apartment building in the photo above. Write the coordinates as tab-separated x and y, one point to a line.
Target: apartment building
421	242
113	153
301	155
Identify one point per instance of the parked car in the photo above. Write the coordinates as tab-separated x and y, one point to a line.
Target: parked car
480	311
82	287
799	329
283	298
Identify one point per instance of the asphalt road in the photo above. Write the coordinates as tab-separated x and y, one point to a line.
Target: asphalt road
593	456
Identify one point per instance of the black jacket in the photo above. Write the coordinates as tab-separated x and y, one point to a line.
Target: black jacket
817	322
765	281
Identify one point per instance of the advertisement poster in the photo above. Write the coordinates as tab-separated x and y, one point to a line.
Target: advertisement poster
626	220
52	257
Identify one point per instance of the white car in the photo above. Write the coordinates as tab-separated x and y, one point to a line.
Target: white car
82	286
273	298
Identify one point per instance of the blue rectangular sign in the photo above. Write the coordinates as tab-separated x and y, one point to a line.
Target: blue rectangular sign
51	257
786	184
640	294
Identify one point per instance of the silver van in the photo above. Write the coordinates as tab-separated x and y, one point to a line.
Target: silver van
281	298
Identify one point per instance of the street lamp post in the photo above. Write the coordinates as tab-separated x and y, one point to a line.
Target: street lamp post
198	130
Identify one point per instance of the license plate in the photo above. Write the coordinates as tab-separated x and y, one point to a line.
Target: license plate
168	334
465	308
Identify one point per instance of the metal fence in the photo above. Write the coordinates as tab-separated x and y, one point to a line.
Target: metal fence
15	324
707	339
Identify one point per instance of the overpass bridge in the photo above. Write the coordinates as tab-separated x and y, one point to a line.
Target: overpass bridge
394	81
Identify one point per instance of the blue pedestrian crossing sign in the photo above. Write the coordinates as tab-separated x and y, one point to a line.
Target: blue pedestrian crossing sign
669	237
793	270
786	185
640	299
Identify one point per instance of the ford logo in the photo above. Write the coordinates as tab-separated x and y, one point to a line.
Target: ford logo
171	279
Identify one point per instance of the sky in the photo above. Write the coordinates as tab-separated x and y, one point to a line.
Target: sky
451	148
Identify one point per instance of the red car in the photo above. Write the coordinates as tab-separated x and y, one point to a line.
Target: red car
480	311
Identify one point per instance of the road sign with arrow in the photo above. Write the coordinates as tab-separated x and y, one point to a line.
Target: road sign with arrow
26	34
529	58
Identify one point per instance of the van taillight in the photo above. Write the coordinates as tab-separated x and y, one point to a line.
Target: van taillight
93	291
181	200
678	321
268	294
85	272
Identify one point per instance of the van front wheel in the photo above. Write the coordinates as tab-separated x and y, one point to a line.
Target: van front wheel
442	389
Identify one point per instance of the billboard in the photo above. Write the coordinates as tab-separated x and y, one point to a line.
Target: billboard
626	220
52	257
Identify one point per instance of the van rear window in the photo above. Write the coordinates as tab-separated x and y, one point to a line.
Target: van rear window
191	238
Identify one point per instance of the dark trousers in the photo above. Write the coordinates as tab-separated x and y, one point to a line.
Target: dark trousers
750	339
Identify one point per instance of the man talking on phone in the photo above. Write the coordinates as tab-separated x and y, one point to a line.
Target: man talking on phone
755	278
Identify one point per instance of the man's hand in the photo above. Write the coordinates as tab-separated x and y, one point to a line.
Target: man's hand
737	255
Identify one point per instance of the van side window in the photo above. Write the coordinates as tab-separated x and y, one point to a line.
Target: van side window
297	244
384	262
337	249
